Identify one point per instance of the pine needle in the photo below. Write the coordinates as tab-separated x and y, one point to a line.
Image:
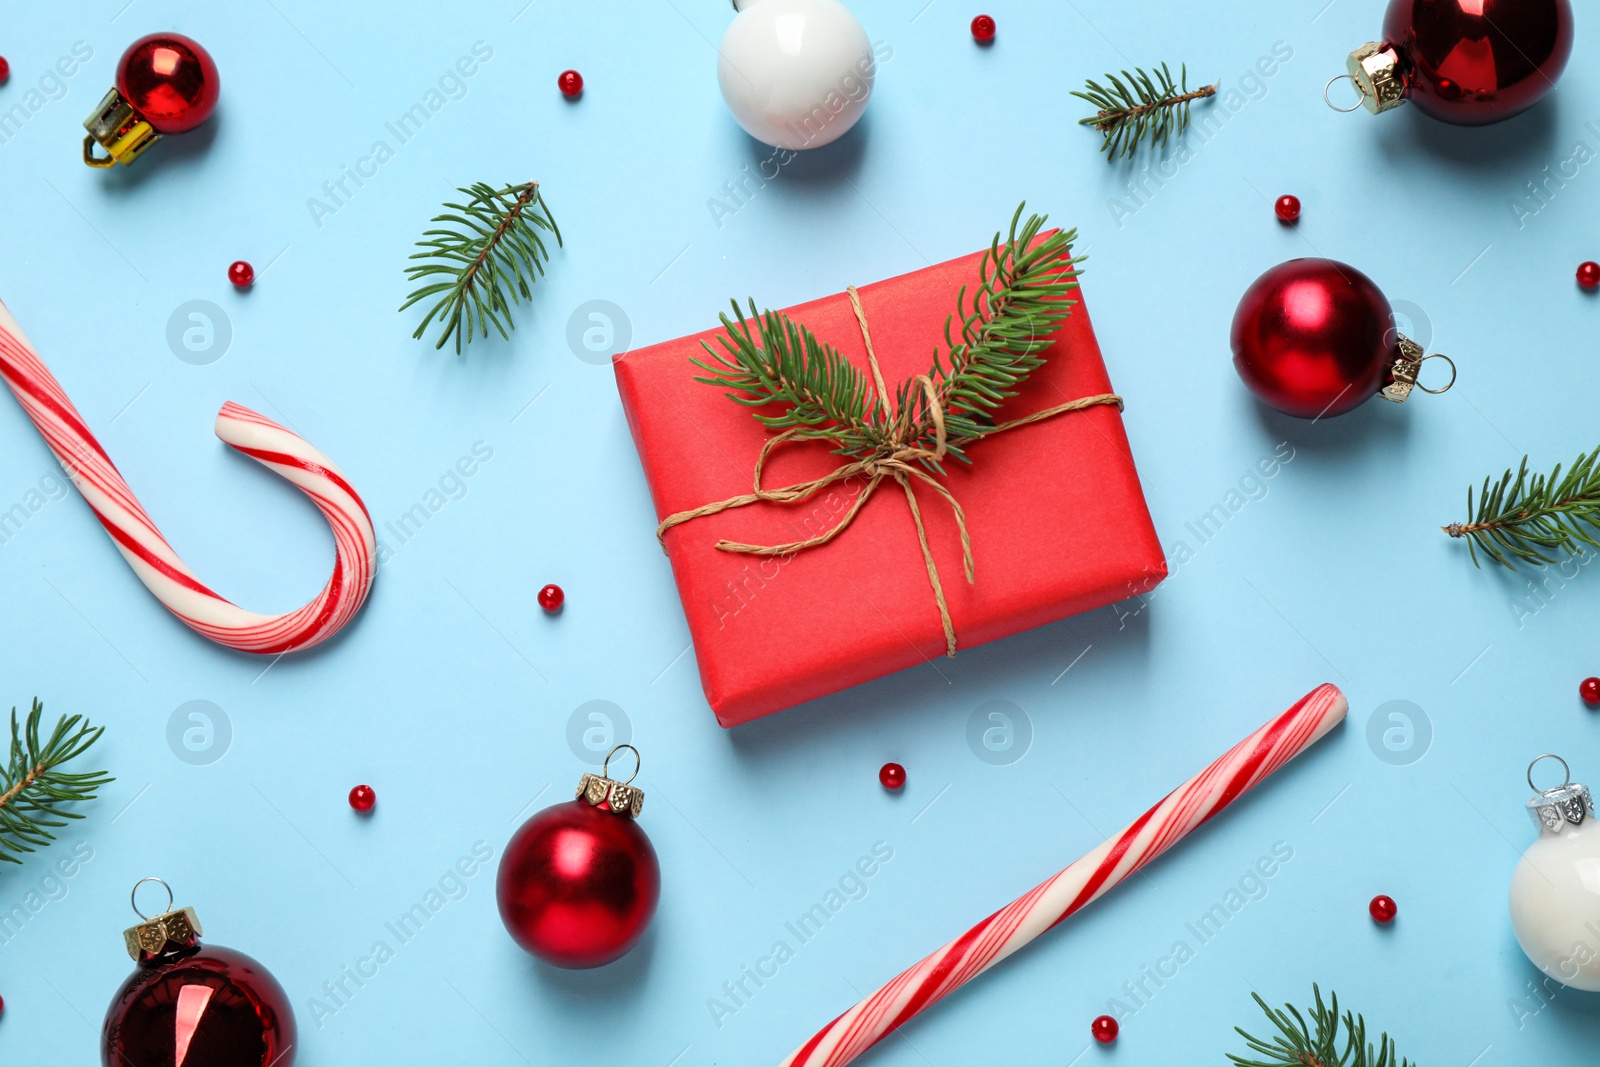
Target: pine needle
486	263
1531	518
1317	1043
1140	107
33	788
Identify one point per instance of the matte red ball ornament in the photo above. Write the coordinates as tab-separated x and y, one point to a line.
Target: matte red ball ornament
570	83
193	1005
1589	275
1315	338
1466	62
1287	208
579	882
1383	909
363	798
983	29
1589	690
166	84
241	274
551	598
892	776
1104	1029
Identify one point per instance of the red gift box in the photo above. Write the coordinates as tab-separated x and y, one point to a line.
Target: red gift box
1055	512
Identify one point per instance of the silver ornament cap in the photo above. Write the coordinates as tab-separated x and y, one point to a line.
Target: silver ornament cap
1569	803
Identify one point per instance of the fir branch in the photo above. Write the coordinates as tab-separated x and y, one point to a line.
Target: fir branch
1317	1043
33	788
1140	106
1530	518
483	265
1007	322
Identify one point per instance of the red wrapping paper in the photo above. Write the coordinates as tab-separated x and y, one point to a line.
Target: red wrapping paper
1056	514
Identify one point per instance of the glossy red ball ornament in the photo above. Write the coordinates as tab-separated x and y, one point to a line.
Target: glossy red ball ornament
5	70
892	776
1589	275
1104	1029
193	1005
983	29
170	81
1383	909
551	598
570	83
1313	338
363	798
1589	690
1287	208
579	882
241	274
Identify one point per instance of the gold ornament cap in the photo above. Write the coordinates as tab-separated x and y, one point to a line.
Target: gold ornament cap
173	929
1407	365
1378	75
119	130
620	798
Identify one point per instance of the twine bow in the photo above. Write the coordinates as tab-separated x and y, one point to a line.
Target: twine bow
896	459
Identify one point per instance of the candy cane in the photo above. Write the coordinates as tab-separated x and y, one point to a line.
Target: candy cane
147	552
1191	804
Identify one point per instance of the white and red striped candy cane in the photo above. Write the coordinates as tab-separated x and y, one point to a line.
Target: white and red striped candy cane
1001	934
147	552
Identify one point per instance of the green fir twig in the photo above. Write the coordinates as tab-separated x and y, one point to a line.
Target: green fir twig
1530	518
1006	323
486	262
1326	1040
33	787
1139	107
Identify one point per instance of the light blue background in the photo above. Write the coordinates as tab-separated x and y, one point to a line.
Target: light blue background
452	692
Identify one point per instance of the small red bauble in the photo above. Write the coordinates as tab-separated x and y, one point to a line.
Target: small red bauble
170	81
1104	1029
1287	208
570	82
362	798
551	598
5	70
1383	909
579	882
1589	274
983	29
241	274
1589	690
892	776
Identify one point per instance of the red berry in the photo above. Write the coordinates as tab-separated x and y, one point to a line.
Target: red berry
1287	208
983	29
362	798
1589	690
1589	274
551	598
1104	1029
241	274
5	70
570	83
892	775
1383	909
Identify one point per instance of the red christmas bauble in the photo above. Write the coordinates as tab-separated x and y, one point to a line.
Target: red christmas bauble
1589	690
1383	909
551	597
169	80
1104	1029
578	884
1473	62
1313	338
205	1006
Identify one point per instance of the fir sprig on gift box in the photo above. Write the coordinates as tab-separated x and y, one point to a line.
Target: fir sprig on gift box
34	788
1140	106
488	261
1531	518
1326	1040
1007	322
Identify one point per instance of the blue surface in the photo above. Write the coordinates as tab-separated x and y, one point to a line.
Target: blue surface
452	694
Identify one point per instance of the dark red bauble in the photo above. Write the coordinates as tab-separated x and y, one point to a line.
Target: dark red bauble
1383	909
578	885
1589	690
1313	338
1473	62
1104	1029
169	80
204	1007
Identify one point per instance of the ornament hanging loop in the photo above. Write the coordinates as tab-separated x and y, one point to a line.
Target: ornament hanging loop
1565	770
133	897
1342	77
1407	365
1447	385
638	761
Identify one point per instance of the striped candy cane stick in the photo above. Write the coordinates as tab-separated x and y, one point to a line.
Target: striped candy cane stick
1191	804
147	552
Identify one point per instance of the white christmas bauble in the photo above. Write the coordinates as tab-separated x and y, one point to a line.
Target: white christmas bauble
1555	890
796	73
